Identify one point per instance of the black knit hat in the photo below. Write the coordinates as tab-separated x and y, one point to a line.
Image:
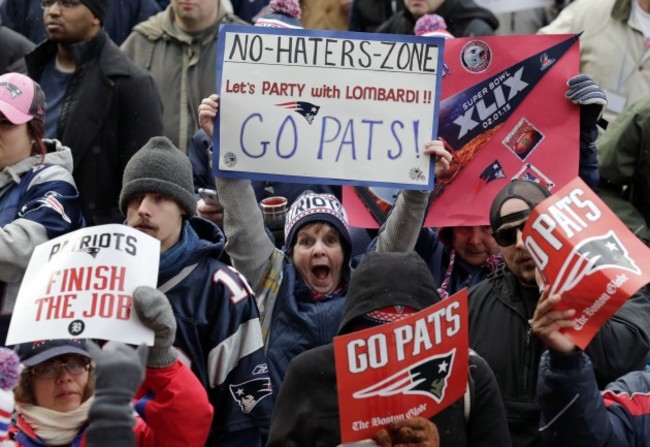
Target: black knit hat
530	192
159	167
98	7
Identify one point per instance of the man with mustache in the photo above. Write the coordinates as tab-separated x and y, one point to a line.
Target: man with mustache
501	310
218	326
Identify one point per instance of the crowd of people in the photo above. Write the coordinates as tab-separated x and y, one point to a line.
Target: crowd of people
107	115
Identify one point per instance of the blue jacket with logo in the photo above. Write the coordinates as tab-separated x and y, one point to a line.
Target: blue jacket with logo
218	331
576	413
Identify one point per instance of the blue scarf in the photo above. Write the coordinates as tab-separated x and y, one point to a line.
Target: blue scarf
174	259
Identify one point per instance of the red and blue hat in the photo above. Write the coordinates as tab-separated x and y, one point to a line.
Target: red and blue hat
36	352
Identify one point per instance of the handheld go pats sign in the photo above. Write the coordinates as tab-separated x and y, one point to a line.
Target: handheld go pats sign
587	255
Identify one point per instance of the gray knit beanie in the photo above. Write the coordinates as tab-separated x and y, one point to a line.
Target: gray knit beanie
159	167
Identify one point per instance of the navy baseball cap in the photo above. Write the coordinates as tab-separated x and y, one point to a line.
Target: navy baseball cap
37	352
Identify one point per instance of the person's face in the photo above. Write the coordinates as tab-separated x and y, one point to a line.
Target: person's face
473	244
70	24
15	142
156	215
421	7
516	256
60	388
195	15
318	256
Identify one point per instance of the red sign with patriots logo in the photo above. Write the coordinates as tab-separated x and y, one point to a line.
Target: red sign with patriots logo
587	255
416	366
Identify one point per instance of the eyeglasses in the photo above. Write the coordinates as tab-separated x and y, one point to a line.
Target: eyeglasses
62	3
508	236
51	369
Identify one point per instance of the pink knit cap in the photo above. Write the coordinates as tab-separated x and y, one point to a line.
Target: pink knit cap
432	25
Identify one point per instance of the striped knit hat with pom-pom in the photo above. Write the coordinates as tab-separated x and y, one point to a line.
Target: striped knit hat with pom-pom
432	25
281	14
9	375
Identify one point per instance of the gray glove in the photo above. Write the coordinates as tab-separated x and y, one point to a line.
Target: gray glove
120	371
155	312
589	96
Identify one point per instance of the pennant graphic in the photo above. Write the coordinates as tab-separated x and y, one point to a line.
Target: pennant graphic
469	119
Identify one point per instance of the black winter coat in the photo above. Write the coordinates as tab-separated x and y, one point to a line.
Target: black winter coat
306	412
110	110
499	311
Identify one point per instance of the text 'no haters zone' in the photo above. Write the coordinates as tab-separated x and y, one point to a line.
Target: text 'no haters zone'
306	105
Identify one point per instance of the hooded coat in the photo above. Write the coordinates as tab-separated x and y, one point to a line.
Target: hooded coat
311	418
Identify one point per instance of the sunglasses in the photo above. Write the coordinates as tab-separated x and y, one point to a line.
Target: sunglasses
74	365
508	236
62	3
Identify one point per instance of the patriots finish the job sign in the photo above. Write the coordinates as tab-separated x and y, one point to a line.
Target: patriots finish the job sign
416	366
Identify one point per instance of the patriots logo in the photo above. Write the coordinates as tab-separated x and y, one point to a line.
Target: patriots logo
492	172
12	89
306	109
532	174
545	61
591	255
49	200
427	378
248	394
92	251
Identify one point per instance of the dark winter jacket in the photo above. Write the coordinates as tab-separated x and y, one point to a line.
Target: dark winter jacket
306	412
14	47
103	135
500	309
463	17
575	413
218	331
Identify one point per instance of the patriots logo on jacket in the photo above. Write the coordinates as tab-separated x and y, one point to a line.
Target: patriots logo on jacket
427	377
306	109
591	255
248	394
49	200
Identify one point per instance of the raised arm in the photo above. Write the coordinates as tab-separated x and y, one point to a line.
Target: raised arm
249	247
402	227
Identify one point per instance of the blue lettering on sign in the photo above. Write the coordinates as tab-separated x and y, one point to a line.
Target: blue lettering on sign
338	139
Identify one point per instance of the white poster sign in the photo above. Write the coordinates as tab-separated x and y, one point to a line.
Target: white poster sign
80	285
326	107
